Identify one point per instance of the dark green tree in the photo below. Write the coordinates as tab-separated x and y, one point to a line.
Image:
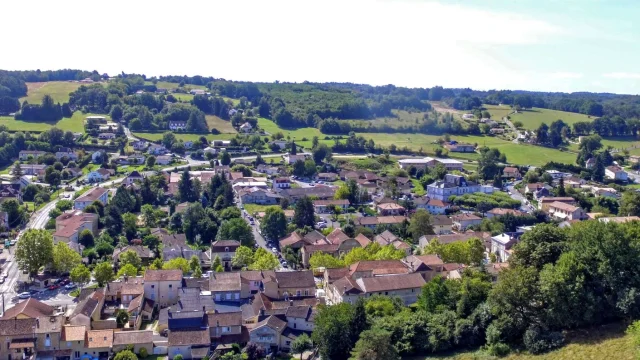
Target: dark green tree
304	213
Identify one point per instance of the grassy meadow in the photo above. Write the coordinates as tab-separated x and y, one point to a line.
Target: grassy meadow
533	118
58	90
183	97
74	124
224	126
170	85
183	137
498	112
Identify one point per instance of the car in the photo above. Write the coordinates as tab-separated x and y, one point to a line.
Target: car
251	222
1	280
4	275
24	295
274	249
13	242
53	287
70	286
65	282
33	292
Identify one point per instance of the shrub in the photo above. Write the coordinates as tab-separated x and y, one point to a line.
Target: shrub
498	349
143	353
537	342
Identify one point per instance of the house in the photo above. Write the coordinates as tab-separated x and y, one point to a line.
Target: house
455	185
495	131
285	284
511	173
563	211
143	253
246	128
138	339
269	170
590	163
255	195
197	92
177	125
228	287
29	309
291	159
326	176
433	206
619	219
543	203
463	221
372	221
267	332
297	241
226	328
88	309
75	172
501	246
132	178
66	152
155	149
106	136
162	286
405	286
210	150
225	250
164	159
319	192
97	157
337	243
426	265
615	173
24	155
70	224
139	145
32	169
10	191
442	224
390	209
460	147
502	211
190	343
279	143
99	175
634	159
281	183
556	175
94	194
451	238
325	206
429	162
388	238
188	144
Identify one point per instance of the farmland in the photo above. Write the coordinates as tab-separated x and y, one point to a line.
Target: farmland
58	90
224	126
170	85
183	137
498	112
74	124
183	97
532	119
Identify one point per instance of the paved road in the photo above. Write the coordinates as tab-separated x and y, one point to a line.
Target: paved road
516	195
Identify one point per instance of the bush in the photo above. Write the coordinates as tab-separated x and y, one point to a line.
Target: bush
537	342
498	349
143	353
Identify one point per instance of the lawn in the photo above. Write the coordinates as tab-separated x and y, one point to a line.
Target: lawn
74	124
607	342
59	91
183	137
224	126
170	85
183	97
498	112
532	119
252	209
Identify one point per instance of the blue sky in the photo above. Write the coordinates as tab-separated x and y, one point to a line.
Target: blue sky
564	45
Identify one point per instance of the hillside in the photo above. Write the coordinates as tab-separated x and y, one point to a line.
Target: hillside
58	90
533	118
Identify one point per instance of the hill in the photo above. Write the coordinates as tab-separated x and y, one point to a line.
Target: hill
58	90
533	118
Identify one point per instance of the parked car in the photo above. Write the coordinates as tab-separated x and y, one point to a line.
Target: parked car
24	295
53	287
70	286
273	249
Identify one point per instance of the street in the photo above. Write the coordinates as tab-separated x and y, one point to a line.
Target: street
516	195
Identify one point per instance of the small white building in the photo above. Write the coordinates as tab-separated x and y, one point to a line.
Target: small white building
615	172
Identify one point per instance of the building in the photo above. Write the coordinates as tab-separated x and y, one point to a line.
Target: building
390	209
279	143
66	152
502	211
437	207
405	286
225	250
325	206
106	136
426	265
543	203
326	177
511	173
143	253
454	185
291	159
267	332
228	287
164	159
429	162
256	195
10	192
563	211
501	246
99	175
162	286
319	192
590	163
463	221
619	219
556	175
285	284
372	221
156	149
177	125
281	183
442	224
246	128
94	194
32	169
139	145
70	224
133	177
29	309
24	155
460	147
615	173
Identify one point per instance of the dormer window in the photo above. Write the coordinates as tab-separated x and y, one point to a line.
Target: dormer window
226	249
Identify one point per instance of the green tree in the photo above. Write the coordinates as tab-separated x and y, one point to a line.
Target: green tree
186	191
130	257
542	245
304	213
86	238
194	263
127	270
151	161
149	215
217	263
332	332
64	258
152	242
225	158
16	172
263	260
80	275
15	212
274	223
420	225
301	344
130	225
243	257
34	250
629	204
375	344
177	264
103	273
236	229
168	138
319	259
129	355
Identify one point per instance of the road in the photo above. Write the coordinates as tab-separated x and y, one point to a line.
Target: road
516	195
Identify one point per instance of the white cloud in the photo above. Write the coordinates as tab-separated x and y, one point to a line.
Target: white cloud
622	75
566	75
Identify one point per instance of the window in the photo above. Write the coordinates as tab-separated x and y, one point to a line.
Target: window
297	292
47	341
288	343
225	329
68	343
226	249
228	296
153	286
170	286
306	293
295	326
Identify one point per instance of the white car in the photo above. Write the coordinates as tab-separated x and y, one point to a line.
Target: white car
24	295
4	275
274	250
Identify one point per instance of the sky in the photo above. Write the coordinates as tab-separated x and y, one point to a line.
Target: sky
544	45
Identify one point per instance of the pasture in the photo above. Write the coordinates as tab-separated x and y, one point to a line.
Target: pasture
183	137
224	126
182	97
170	85
497	112
58	90
74	124
533	118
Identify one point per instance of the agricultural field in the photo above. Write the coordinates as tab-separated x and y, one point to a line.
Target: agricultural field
497	112
74	124
58	90
183	97
224	126
183	137
532	119
585	345
170	85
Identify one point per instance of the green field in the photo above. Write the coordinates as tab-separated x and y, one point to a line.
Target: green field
170	85
74	124
224	126
498	112
532	119
183	137
183	97
59	91
583	345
